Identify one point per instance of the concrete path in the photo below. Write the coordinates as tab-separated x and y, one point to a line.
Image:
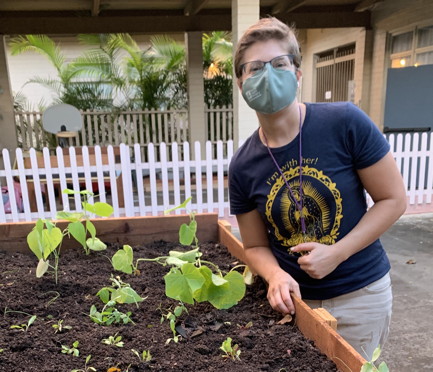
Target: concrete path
409	244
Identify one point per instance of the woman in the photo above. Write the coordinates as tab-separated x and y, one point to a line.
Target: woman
297	190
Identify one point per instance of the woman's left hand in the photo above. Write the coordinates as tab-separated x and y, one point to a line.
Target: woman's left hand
319	260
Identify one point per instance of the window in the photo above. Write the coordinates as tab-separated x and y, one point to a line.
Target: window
412	48
402	43
425	37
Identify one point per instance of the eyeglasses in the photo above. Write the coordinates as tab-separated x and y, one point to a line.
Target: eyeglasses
283	62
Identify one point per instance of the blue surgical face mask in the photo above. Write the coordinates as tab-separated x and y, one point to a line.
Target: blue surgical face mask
270	90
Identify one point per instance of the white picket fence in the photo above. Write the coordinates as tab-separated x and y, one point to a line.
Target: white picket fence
115	178
413	153
138	187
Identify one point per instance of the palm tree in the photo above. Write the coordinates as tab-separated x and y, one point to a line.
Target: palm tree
172	59
155	76
83	94
218	67
102	65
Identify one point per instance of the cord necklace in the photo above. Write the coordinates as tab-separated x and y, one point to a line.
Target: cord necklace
299	204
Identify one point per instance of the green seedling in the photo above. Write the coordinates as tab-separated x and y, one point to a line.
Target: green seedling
230	351
187	232
172	317
145	355
80	226
190	279
25	326
59	327
1	350
120	292
371	367
45	240
71	350
86	367
109	315
113	340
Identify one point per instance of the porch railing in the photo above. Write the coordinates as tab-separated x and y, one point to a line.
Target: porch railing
134	127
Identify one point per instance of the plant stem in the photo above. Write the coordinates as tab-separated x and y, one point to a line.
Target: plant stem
16	311
157	259
213	265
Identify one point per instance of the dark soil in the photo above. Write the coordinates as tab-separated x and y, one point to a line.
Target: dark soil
265	346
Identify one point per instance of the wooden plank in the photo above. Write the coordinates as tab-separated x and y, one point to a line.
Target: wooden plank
314	327
233	244
121	230
226	238
327	317
224	225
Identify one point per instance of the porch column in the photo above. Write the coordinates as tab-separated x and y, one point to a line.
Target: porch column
363	64
244	14
8	138
196	106
378	80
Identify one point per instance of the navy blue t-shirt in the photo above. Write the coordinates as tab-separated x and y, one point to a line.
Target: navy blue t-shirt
337	139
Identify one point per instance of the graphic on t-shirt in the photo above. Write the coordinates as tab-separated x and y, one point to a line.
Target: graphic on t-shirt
322	208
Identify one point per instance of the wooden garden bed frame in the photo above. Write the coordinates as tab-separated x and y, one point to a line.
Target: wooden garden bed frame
317	325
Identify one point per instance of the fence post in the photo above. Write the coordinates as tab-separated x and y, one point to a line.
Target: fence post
10	186
128	197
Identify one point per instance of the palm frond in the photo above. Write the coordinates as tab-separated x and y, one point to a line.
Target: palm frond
223	50
171	52
41	44
52	84
93	39
94	63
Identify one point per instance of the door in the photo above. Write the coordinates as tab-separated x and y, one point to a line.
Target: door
334	74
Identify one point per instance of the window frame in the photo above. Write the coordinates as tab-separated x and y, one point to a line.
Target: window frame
411	53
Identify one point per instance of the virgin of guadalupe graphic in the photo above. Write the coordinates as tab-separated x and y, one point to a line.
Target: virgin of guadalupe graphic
320	202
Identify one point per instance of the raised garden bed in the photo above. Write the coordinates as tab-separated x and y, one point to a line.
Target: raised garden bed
252	324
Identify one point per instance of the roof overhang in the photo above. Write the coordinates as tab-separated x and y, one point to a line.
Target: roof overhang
174	16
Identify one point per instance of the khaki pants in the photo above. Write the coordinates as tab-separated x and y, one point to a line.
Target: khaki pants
363	316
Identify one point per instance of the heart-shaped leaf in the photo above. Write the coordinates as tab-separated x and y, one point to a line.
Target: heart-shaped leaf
123	259
95	244
125	295
91	228
44	242
187	233
189	256
103	209
76	229
228	294
180	284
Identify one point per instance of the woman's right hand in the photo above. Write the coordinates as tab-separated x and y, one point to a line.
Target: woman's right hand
280	287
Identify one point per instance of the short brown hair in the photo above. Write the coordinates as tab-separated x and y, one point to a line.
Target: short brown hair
267	29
